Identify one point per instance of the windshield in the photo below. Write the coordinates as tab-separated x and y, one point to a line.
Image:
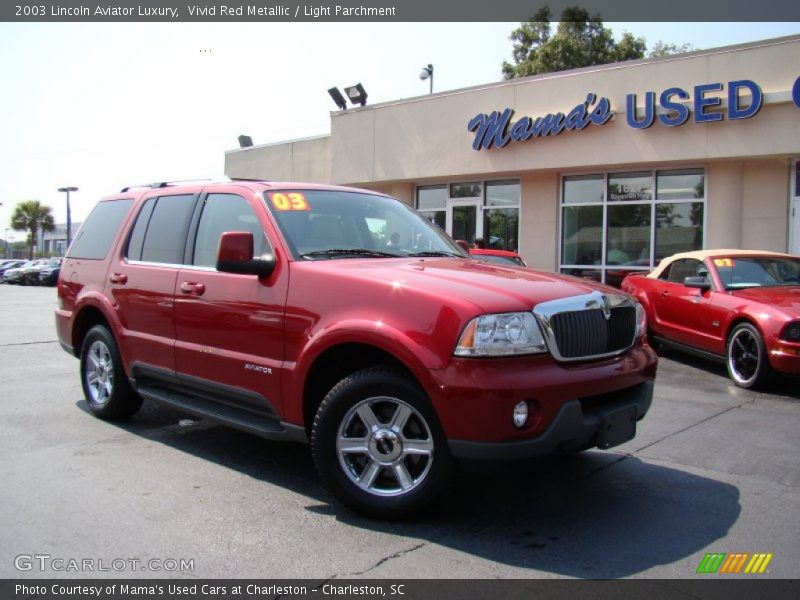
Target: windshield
757	271
324	225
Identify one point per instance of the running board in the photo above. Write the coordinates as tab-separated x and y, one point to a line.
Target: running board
264	426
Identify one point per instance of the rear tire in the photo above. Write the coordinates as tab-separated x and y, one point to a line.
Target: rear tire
746	358
378	445
108	392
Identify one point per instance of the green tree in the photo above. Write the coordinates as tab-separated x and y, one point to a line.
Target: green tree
662	49
580	40
32	216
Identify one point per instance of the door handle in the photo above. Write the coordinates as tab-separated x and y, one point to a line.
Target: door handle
119	278
190	287
664	293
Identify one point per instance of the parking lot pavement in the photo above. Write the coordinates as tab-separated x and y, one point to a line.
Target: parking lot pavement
712	469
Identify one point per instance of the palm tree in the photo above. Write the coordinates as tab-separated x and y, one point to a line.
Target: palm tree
31	216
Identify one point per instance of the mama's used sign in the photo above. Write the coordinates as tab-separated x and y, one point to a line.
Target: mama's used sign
498	128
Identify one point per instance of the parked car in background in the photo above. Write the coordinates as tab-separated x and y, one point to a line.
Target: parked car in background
48	274
30	274
503	257
8	265
738	306
17	274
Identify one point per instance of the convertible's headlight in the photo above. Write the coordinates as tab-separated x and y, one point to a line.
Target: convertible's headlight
641	319
501	335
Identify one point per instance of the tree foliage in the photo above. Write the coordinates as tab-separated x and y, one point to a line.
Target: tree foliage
32	216
580	40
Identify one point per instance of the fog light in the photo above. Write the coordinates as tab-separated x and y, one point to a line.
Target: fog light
520	416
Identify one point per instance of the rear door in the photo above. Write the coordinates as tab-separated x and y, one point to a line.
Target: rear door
229	326
141	280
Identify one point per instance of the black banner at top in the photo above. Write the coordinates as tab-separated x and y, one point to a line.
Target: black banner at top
388	10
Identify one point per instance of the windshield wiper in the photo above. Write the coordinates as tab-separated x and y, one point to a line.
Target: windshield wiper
353	252
435	253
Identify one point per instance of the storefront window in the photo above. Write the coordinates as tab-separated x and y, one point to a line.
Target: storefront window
631	222
583	189
502	193
432	203
501	228
679	228
630	187
686	184
628	235
582	232
466	190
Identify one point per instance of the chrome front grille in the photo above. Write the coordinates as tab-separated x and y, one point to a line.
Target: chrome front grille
585	327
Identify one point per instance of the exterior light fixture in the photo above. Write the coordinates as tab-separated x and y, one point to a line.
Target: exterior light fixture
67	190
427	73
245	141
338	98
357	94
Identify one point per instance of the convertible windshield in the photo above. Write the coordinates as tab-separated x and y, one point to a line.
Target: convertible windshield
325	225
757	271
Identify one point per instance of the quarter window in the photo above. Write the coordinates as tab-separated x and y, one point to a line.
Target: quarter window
97	234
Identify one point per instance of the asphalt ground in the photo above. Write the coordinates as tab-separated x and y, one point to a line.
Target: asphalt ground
713	469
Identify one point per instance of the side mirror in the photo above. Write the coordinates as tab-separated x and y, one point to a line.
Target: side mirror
700	283
235	255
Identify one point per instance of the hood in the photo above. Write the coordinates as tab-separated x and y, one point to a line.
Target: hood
785	298
489	287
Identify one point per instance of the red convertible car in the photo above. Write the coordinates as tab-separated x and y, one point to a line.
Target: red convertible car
740	306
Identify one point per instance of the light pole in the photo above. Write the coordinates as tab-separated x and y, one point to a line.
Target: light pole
69	216
6	242
427	73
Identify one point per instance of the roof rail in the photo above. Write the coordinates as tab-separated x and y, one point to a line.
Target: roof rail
164	184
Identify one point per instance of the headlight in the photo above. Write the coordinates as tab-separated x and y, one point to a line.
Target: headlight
501	335
641	319
791	333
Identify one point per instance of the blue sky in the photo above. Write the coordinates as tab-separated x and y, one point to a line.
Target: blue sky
101	106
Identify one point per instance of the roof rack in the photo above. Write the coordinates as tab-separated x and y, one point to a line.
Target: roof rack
164	184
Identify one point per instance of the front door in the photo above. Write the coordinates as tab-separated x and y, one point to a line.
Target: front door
464	219
229	327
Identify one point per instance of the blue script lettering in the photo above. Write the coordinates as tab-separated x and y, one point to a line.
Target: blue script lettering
496	129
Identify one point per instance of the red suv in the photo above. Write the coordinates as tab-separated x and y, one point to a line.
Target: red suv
343	318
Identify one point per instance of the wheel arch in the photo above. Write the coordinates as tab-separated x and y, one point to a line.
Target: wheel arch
337	362
87	317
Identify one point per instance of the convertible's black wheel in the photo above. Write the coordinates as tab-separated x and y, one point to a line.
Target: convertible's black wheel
107	390
378	444
747	360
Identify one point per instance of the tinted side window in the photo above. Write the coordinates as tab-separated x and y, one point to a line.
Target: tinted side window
139	229
165	239
98	232
682	269
221	213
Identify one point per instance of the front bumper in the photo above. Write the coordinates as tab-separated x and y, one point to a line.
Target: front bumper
603	426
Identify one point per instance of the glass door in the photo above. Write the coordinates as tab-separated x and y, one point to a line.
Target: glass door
464	221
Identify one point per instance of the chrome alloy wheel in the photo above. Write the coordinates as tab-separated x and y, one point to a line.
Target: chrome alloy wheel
744	356
99	373
385	446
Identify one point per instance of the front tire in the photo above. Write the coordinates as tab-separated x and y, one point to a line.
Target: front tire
378	445
746	358
105	385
